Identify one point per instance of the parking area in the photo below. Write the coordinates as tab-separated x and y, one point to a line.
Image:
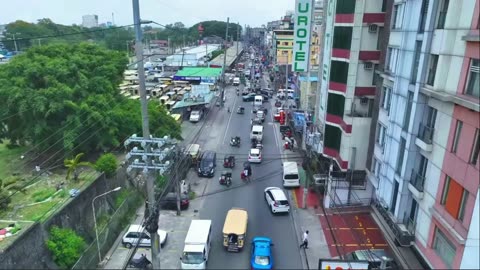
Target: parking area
347	232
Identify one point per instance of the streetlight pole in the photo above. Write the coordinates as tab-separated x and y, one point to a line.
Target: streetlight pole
224	63
146	135
95	219
15	41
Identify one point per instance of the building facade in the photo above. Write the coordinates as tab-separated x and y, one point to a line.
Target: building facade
90	21
424	164
347	93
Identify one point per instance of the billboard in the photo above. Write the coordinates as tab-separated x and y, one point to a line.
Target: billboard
329	264
302	29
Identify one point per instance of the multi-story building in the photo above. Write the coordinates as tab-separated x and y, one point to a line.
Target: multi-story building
350	53
425	166
90	21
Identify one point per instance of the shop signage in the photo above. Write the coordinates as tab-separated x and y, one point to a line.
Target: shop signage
187	78
329	264
301	46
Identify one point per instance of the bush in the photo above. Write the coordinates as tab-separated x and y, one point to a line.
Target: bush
107	164
66	246
4	201
121	197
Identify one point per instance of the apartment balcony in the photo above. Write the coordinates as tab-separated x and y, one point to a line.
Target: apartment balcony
462	100
416	184
336	86
472	36
370	56
333	153
337	120
402	234
365	91
424	139
341	53
376	18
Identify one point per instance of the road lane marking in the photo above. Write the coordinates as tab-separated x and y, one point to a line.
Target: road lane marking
230	118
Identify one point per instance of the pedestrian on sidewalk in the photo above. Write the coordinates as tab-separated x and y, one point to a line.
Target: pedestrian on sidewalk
305	240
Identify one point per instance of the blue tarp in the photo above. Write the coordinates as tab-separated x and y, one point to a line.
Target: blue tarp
299	120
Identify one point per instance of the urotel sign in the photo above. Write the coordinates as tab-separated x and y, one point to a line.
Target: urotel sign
301	47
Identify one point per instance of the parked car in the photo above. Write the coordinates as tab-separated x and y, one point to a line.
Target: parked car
255	156
137	232
196	115
276	200
169	202
207	164
249	97
261	253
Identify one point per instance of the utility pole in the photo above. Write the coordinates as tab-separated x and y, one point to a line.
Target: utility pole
146	134
224	63
15	42
183	55
169	50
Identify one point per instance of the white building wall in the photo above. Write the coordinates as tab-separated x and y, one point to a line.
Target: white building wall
369	40
470	258
373	6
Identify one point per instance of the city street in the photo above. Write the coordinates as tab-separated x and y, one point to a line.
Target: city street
219	199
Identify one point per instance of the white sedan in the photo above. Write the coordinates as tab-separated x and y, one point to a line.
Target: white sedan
255	156
276	200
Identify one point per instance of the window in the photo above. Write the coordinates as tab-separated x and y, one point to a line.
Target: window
476	148
285	43
454	198
416	62
342	37
473	81
463	203
376	167
423	16
442	14
278	42
408	110
386	98
381	133
397	16
401	153
443	247
392	58
345	7
432	69
456	136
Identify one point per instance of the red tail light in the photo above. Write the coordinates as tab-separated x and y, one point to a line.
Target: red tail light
275	204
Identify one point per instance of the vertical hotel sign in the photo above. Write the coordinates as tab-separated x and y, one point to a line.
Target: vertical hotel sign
302	28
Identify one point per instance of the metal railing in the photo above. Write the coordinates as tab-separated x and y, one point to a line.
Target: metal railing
417	180
425	133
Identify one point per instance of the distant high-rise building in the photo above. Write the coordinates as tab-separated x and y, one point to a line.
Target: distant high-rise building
90	21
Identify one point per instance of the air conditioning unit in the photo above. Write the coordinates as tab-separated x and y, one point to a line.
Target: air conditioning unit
367	65
372	28
364	101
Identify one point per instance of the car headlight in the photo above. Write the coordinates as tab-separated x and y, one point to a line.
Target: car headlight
199	170
211	170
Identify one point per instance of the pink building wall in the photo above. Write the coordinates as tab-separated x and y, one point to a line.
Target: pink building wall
456	165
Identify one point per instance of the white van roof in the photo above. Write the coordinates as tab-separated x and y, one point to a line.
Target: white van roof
290	167
135	228
257	128
259	97
198	231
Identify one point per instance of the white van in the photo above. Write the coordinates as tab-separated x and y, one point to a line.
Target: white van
258	101
257	132
236	81
197	245
291	178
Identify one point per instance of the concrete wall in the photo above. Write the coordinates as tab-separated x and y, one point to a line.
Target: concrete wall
29	250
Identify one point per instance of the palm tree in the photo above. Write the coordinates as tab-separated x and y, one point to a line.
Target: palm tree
74	164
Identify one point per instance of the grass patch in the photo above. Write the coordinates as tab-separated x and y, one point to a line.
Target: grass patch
9	159
35	212
61	194
7	241
121	197
42	194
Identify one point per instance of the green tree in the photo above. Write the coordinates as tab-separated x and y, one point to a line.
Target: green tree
73	165
107	164
65	245
66	98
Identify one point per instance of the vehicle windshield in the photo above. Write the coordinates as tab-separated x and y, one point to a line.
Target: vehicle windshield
262	260
291	176
192	258
206	164
195	113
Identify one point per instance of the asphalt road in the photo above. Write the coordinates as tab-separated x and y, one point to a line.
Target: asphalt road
219	199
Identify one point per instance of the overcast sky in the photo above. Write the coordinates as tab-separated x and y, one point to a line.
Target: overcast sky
250	12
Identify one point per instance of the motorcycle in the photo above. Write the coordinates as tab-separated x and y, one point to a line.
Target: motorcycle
235	141
247	172
225	178
141	262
